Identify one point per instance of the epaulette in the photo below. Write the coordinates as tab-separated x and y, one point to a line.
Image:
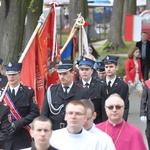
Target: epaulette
121	79
96	79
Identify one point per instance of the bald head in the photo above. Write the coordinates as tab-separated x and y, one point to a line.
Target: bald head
114	98
114	107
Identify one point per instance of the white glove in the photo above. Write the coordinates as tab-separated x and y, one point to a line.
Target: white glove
143	119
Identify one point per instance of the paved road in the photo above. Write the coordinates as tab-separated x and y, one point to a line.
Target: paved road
134	114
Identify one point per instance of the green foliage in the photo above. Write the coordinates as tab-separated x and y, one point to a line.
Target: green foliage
31	6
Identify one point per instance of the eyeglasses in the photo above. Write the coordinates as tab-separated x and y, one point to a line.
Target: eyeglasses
78	114
111	107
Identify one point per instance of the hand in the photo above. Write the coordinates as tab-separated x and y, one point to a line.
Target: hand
143	119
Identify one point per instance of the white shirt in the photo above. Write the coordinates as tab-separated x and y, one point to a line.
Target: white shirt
16	88
105	139
112	81
63	140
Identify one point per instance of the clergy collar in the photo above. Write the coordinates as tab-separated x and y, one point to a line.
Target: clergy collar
114	124
84	82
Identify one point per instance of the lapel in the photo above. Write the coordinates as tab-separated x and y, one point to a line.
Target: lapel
91	87
61	92
72	91
114	86
19	94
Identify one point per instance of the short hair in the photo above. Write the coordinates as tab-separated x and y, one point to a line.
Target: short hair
75	103
131	52
143	33
114	95
88	104
41	118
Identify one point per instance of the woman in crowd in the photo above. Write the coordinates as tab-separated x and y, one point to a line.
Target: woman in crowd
134	75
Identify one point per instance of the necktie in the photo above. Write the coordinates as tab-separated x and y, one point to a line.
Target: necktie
13	93
66	87
108	86
86	85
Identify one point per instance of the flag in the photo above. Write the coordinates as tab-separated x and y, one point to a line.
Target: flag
49	47
32	72
70	51
133	26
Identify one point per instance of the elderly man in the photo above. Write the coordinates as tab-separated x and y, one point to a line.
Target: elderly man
74	137
59	95
124	135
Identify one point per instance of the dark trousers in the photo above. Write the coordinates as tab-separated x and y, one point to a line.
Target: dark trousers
147	132
145	68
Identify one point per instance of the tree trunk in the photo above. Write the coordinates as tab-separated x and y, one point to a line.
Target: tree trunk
76	7
115	35
11	28
34	11
12	20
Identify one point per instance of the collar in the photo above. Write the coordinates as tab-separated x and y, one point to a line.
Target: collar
87	82
112	80
69	87
16	88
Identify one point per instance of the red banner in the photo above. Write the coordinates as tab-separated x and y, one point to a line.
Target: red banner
32	71
50	48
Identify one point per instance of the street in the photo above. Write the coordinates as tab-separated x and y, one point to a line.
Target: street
134	112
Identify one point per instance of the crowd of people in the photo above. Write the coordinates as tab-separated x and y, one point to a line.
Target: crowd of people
89	114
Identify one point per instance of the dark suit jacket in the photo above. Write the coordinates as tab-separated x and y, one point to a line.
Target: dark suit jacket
139	45
56	114
119	87
95	89
145	101
28	110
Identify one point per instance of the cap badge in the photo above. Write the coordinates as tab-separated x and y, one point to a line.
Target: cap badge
9	64
107	57
60	63
84	59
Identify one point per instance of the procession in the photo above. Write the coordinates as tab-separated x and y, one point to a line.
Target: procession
72	97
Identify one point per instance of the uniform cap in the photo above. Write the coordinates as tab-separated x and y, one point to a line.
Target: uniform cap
86	63
100	67
110	59
64	66
13	68
1	61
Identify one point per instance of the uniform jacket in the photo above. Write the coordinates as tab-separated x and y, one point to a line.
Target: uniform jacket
3	80
94	90
145	101
119	87
58	100
28	110
131	70
139	45
5	124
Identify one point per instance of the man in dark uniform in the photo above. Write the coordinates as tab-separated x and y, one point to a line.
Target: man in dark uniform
59	95
113	84
93	84
22	99
101	69
3	79
144	47
5	124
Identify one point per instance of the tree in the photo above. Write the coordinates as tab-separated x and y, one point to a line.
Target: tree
76	7
115	35
12	20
